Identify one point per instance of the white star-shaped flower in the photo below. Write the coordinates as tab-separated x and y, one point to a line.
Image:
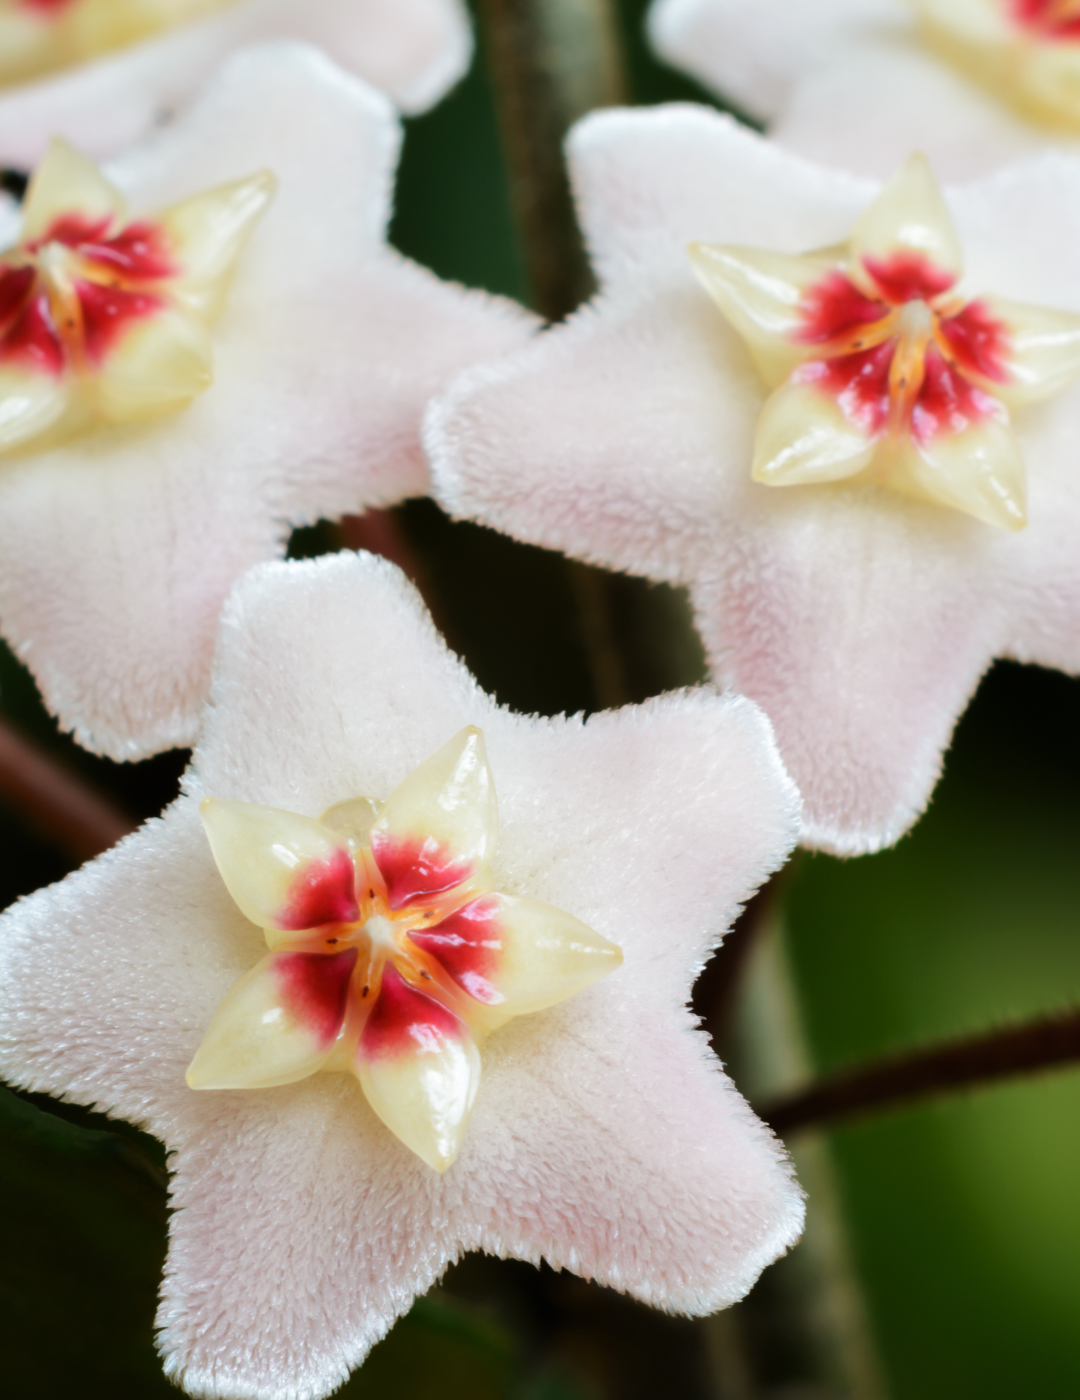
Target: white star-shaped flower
861	83
859	616
604	1136
116	68
118	546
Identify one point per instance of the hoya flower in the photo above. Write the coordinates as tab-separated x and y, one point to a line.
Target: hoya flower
604	1137
392	957
108	71
103	318
860	83
119	545
882	369
818	457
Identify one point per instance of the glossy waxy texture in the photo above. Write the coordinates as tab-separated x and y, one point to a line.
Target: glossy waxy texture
882	368
104	318
390	957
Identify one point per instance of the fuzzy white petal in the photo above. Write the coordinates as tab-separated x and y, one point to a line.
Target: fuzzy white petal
327	349
859	620
414	50
754	51
306	1227
852	83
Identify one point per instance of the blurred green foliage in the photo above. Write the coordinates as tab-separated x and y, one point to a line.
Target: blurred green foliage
965	1215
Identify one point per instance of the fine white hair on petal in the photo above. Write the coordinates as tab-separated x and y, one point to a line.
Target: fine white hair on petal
753	52
859	620
851	83
414	50
329	346
648	180
606	1137
857	112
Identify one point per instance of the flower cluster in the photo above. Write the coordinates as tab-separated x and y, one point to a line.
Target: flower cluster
401	973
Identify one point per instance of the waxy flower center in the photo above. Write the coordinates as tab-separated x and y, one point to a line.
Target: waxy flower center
380	935
107	319
66	298
391	955
880	370
899	351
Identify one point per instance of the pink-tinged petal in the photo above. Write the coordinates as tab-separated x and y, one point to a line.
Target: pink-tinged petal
517	443
754	51
515	956
285	871
439	827
304	1184
327	361
581	1178
65	183
855	112
861	622
414	50
420	1070
278	1024
905	240
845	617
834	79
650	181
568	1157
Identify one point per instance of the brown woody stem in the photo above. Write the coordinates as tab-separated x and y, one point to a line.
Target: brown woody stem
551	61
934	1070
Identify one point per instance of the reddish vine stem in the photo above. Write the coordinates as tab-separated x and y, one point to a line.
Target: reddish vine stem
58	804
943	1068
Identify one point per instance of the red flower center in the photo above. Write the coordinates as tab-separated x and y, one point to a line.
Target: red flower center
67	296
48	9
899	352
1054	20
382	966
